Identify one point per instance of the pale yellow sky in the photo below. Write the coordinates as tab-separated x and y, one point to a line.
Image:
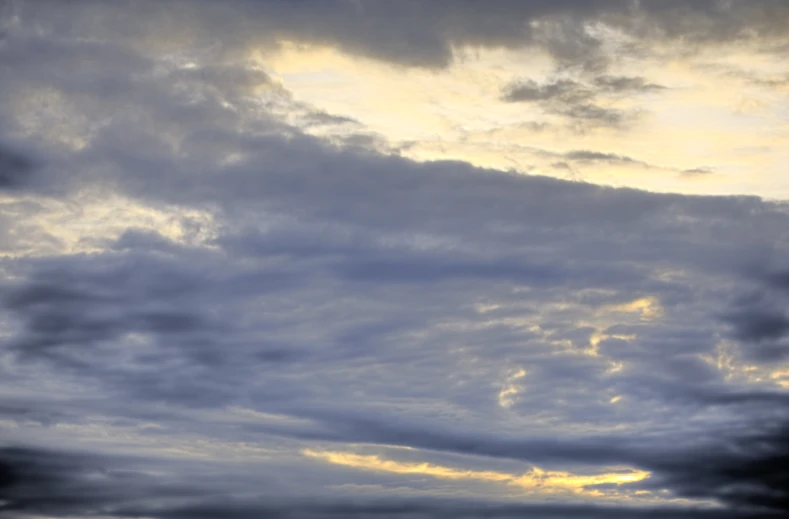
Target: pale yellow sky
718	127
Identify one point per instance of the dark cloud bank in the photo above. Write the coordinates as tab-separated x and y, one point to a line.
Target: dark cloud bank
48	482
328	289
422	33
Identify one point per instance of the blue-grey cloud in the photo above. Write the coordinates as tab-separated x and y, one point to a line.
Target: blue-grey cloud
759	317
51	482
15	169
331	296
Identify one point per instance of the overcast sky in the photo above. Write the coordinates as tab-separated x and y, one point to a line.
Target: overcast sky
410	259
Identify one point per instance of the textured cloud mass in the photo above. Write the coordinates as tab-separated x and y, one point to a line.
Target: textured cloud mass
220	298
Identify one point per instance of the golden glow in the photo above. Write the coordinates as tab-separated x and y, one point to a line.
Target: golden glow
92	220
371	462
723	359
535	480
720	114
781	377
511	389
598	337
727	359
648	307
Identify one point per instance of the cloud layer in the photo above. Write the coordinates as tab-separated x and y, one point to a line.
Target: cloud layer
209	310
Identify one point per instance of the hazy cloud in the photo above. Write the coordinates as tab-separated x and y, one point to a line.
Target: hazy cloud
579	103
566	91
625	84
597	155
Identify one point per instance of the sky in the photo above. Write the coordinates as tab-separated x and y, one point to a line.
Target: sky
409	259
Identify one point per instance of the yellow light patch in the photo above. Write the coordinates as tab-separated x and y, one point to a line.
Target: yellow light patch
93	219
511	389
648	307
712	110
598	337
371	462
781	378
535	480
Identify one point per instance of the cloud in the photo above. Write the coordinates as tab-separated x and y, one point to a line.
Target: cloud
42	481
198	326
209	256
758	318
758	326
697	172
750	473
424	34
625	84
58	483
15	169
323	118
578	103
561	90
586	155
595	115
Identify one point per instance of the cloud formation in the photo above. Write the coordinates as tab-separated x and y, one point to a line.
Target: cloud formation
579	103
15	169
208	308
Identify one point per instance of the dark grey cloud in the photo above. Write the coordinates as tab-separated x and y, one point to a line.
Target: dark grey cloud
750	473
566	91
60	310
759	318
423	33
15	168
59	483
626	84
590	114
579	103
587	155
66	483
778	280
754	325
424	508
